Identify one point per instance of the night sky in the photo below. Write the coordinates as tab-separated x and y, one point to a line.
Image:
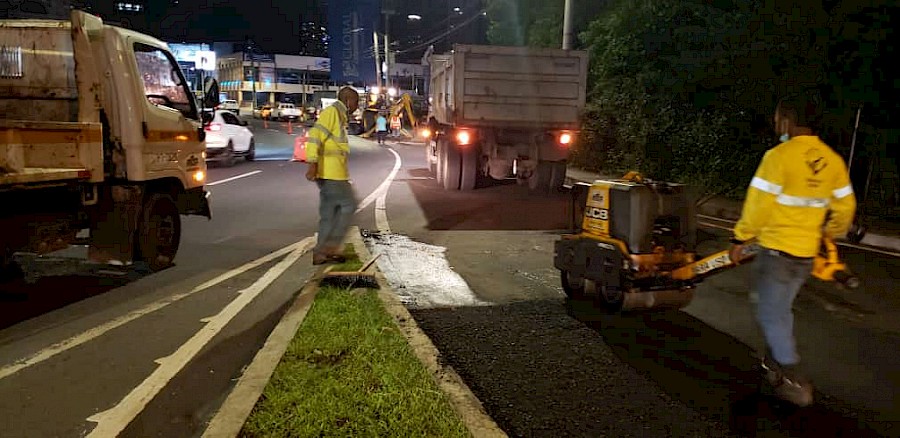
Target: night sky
274	25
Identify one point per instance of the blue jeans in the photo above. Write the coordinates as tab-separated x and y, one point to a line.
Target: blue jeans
777	279
337	203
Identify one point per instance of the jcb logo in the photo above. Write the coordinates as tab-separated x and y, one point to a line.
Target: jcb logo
597	213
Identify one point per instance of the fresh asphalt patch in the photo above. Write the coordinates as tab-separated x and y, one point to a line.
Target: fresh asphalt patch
560	369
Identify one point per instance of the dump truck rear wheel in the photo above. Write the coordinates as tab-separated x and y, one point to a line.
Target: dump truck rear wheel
539	182
159	232
453	167
469	172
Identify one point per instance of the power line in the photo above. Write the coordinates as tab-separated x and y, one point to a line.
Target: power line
480	14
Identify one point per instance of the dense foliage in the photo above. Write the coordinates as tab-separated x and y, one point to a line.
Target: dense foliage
685	89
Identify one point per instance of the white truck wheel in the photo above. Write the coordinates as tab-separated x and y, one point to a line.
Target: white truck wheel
159	232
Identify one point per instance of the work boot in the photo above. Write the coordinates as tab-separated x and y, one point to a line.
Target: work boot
322	258
788	383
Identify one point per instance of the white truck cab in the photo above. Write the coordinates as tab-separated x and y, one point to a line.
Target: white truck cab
100	131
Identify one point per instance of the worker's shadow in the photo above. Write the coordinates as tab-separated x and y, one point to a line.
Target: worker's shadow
714	374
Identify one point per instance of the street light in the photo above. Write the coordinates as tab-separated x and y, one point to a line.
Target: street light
414	17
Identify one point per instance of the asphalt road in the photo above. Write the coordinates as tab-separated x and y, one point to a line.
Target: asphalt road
77	342
93	341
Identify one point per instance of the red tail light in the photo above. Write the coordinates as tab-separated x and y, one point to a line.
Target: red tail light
565	138
214	127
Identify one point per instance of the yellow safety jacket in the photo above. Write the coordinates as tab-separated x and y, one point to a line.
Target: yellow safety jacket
327	143
796	184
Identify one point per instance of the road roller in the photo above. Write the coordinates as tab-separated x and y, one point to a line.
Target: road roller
633	247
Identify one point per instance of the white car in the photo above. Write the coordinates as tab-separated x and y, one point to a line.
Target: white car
229	105
227	137
286	111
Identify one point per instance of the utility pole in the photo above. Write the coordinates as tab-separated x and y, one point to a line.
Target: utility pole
567	26
387	50
377	60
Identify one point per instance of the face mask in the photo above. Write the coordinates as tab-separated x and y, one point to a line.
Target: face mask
784	138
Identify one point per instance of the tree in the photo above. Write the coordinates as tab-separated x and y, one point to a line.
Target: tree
536	23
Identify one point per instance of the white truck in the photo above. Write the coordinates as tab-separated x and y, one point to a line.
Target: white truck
99	132
503	112
286	111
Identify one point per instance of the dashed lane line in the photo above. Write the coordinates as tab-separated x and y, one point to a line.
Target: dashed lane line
114	420
100	330
243	175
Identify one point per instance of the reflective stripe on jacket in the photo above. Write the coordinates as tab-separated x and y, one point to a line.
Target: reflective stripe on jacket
796	184
327	143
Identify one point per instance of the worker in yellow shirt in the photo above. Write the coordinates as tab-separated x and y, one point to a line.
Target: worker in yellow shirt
327	150
800	191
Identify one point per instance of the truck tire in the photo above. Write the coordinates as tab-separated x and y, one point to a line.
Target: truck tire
159	232
539	182
432	164
440	161
453	166
469	169
558	178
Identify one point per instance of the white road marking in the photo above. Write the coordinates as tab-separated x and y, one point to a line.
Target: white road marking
113	421
381	218
384	185
102	329
839	243
243	175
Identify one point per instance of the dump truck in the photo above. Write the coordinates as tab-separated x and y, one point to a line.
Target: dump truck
504	112
101	142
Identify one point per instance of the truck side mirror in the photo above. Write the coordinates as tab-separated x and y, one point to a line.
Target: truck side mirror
211	93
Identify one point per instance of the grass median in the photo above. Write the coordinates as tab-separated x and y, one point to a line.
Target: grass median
350	372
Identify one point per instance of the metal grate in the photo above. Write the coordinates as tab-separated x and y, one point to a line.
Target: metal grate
11	62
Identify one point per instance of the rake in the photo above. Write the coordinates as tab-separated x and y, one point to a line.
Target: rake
352	279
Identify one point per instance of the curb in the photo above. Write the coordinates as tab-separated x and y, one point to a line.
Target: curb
464	402
871	241
231	416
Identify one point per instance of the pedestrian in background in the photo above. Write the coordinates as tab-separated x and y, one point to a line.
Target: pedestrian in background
327	150
395	125
800	191
381	128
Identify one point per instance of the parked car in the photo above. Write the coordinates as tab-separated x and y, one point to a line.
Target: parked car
285	112
229	105
227	137
263	112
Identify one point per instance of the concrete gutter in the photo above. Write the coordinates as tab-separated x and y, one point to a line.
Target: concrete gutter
464	402
728	211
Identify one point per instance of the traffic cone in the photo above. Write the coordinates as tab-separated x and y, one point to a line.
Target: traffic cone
299	149
290	130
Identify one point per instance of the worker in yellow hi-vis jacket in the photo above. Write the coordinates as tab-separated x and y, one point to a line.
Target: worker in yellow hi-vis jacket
800	191
327	150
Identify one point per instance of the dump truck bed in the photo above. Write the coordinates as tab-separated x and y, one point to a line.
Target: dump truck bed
40	152
43	138
509	86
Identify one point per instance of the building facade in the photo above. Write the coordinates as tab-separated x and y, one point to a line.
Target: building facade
269	79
